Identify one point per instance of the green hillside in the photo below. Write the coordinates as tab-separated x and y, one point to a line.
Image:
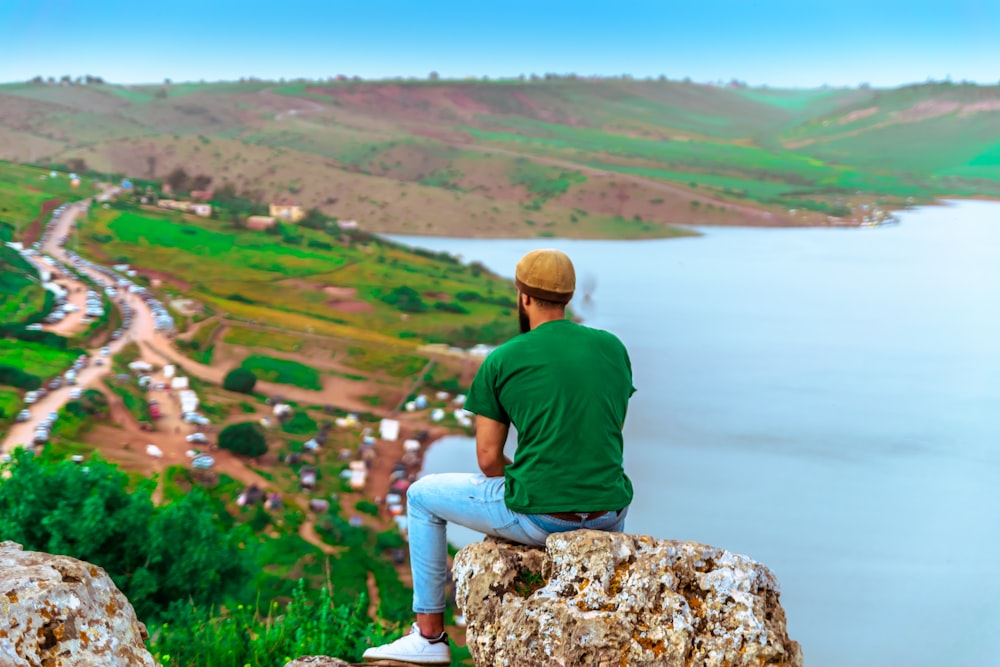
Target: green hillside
559	157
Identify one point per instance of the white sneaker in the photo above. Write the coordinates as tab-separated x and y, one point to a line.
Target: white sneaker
413	648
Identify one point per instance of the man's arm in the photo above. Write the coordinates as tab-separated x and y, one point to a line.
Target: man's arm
490	438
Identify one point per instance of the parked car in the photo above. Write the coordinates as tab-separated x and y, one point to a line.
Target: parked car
23	416
105	350
197	438
76	393
31	397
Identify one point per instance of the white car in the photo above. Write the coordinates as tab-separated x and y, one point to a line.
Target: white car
76	393
198	438
30	397
106	350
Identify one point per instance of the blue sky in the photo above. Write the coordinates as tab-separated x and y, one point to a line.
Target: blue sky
778	43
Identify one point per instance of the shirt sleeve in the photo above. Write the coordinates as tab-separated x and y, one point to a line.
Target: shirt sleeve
628	366
483	398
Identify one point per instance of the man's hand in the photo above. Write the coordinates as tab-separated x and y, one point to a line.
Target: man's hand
490	438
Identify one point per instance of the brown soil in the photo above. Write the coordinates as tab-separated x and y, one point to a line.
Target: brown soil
350	306
34	230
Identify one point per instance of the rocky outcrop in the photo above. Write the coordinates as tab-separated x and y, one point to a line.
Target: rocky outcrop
604	599
317	661
61	612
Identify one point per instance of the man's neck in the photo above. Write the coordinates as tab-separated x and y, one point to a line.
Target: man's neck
545	316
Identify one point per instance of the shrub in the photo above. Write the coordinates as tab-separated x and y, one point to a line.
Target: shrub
405	299
389	539
240	380
366	506
245	438
450	308
15	377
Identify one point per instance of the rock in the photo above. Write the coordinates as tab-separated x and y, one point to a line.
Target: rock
61	612
317	661
606	599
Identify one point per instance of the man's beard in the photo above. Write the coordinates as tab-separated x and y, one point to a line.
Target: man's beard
522	318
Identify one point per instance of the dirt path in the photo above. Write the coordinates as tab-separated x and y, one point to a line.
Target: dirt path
90	375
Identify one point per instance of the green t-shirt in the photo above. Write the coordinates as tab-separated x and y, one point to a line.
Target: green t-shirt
565	387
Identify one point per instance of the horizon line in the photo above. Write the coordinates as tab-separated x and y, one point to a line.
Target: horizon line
548	77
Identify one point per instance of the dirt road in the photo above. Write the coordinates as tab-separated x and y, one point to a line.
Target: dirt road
90	375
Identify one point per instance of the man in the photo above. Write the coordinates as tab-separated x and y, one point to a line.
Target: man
565	388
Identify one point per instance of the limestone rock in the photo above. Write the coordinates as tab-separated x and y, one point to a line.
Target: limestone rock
317	661
607	599
61	612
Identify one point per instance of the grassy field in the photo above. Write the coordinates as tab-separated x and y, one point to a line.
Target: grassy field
11	403
372	358
21	296
35	359
273	340
486	158
283	371
24	189
312	282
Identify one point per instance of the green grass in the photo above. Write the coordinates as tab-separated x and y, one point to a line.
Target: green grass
257	277
299	424
543	181
391	362
21	296
35	359
273	340
132	397
24	189
11	402
283	371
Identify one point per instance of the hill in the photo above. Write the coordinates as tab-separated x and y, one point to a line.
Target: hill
563	157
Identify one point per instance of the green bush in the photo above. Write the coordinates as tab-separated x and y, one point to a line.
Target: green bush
405	299
240	380
367	507
244	438
299	424
389	539
450	308
155	555
15	377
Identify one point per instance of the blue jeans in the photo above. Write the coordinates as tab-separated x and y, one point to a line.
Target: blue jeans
476	502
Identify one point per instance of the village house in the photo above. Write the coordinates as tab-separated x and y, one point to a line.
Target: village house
287	211
203	210
260	222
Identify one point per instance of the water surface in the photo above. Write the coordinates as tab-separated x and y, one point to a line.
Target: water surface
826	401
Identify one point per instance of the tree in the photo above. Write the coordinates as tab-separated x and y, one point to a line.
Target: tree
79	165
156	556
239	379
244	438
178	179
433	76
201	182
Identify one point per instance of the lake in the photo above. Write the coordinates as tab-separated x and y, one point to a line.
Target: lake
826	401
